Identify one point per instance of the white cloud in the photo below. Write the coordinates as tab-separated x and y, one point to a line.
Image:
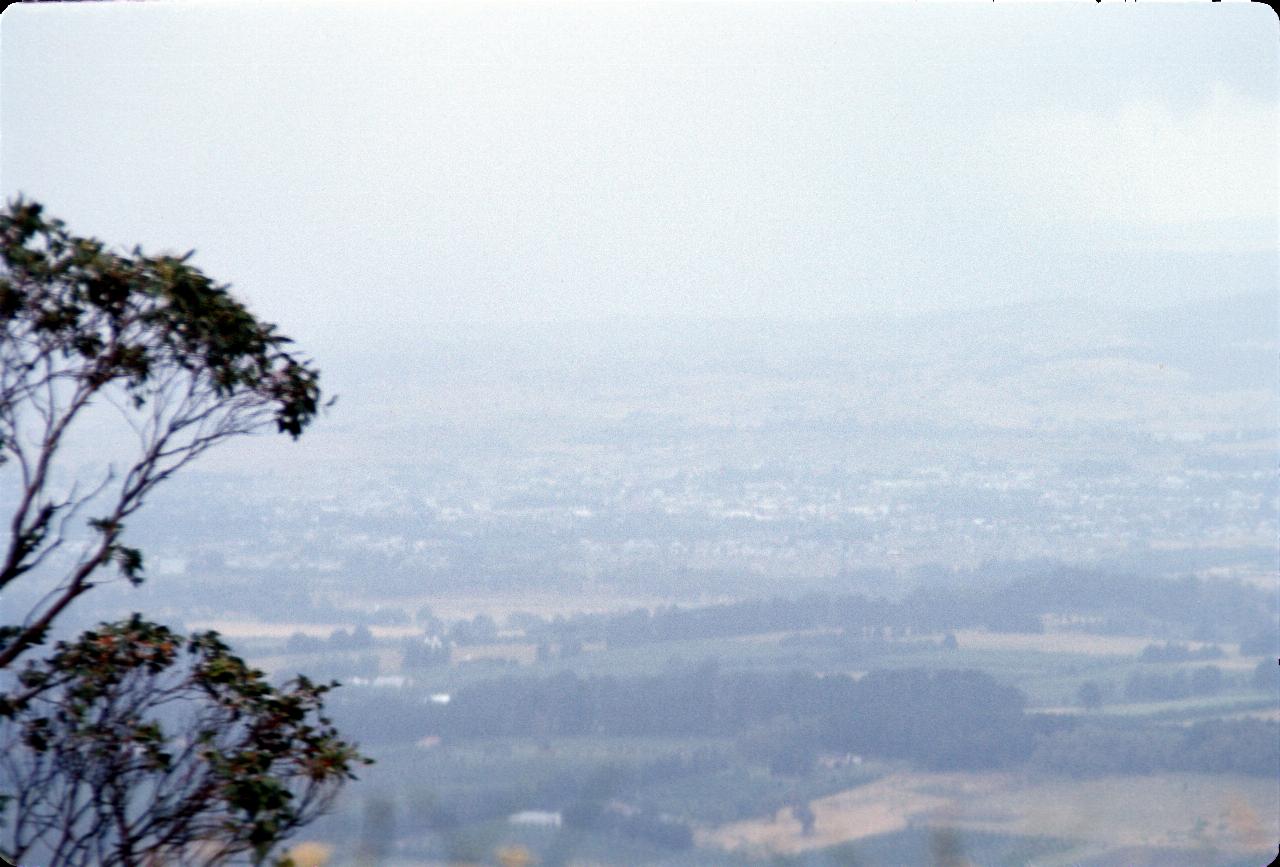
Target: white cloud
1147	166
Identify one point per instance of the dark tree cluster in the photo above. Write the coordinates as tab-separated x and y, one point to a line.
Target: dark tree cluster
1200	609
583	793
340	640
95	774
417	654
1266	675
1144	686
944	719
1247	746
1264	641
1221	611
857	615
480	629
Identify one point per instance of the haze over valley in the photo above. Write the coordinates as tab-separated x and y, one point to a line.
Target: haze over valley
753	433
692	460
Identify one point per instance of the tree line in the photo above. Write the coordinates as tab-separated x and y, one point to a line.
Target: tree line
1189	607
938	719
1099	748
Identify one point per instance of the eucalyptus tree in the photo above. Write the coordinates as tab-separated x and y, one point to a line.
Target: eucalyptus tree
131	742
184	364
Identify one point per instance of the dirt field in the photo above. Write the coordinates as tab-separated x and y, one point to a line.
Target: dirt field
877	808
1236	815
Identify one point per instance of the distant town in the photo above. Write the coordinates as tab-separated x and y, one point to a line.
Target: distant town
769	466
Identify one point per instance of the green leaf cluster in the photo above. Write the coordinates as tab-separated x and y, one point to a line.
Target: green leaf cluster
124	318
245	765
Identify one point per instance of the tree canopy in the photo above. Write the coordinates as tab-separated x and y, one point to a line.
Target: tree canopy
133	742
184	363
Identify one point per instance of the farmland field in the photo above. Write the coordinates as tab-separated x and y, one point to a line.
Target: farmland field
1226	816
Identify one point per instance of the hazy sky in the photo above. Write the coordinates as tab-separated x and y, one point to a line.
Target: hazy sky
372	168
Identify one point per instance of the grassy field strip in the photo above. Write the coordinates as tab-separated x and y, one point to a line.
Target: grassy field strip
1203	707
1230	815
1066	642
1235	706
1270	713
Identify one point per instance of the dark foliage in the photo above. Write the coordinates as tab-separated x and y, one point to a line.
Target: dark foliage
131	742
1142	686
184	363
135	742
944	719
1100	748
1184	606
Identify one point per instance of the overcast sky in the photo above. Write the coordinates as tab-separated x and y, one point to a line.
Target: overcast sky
370	168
